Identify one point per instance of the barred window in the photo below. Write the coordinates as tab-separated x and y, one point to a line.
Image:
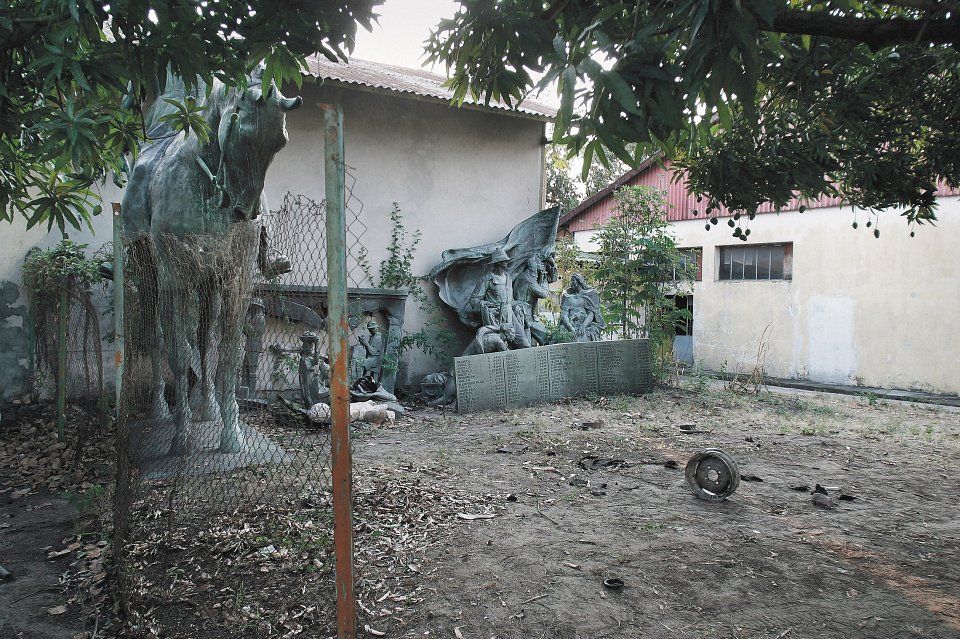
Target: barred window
757	262
690	256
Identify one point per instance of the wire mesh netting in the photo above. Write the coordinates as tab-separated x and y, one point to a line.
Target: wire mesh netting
66	358
223	509
83	353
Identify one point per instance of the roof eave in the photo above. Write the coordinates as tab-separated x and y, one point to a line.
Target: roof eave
430	99
575	212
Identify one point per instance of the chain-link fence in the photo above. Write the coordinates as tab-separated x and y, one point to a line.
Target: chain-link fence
223	511
63	325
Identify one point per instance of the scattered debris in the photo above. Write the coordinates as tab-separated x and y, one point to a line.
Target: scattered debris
712	475
752	478
472	516
691	429
592	462
613	583
513	449
800	488
591	425
671	464
5	574
532	599
822	496
821	499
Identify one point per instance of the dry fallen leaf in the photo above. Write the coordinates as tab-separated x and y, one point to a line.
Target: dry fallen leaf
471	516
457	632
57	610
375	633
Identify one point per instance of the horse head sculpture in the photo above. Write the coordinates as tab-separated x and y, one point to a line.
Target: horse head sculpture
250	129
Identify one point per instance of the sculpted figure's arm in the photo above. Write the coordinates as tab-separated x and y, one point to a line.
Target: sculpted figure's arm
366	344
588	320
539	289
565	316
479	294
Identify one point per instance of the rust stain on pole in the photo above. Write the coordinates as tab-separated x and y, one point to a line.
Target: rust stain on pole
118	283
337	332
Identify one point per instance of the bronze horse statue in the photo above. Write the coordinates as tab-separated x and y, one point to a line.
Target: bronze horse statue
189	221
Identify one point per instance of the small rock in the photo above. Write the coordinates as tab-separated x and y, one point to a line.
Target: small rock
824	500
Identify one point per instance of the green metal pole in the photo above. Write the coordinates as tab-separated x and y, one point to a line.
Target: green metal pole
338	331
118	336
63	314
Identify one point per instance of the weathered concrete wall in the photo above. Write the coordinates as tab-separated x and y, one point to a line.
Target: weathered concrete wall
14	345
462	177
859	310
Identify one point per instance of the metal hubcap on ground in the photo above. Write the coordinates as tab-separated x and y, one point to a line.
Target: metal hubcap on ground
712	475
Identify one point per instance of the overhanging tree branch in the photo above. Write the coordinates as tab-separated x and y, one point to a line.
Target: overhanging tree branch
876	33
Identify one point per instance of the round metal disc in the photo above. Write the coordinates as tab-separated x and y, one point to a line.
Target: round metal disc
712	475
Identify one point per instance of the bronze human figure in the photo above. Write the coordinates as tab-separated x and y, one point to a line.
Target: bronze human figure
580	311
530	286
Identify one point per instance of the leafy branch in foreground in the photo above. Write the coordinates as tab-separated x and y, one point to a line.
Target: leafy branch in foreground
74	77
757	100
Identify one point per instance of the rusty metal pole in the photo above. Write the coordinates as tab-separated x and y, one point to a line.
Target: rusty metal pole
63	315
338	331
118	336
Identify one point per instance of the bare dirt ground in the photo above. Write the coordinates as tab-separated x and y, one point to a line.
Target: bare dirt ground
493	525
767	562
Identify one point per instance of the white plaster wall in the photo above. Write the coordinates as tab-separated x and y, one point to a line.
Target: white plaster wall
462	177
859	310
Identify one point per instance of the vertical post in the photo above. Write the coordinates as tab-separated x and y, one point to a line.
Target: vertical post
337	332
62	316
118	284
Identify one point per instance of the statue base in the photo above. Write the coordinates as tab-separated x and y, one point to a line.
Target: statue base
526	376
150	440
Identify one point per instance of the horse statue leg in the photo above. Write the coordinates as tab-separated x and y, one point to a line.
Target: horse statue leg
178	315
144	277
159	410
203	403
228	366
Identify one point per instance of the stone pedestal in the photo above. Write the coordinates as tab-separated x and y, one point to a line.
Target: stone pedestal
546	373
150	441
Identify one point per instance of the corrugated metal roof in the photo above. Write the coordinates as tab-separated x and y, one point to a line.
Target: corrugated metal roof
596	210
417	82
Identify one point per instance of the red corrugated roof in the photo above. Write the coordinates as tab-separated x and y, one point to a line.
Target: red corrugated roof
596	210
389	78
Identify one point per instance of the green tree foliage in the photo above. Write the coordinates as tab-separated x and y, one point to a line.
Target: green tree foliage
435	338
756	99
565	190
602	175
562	188
639	266
74	75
